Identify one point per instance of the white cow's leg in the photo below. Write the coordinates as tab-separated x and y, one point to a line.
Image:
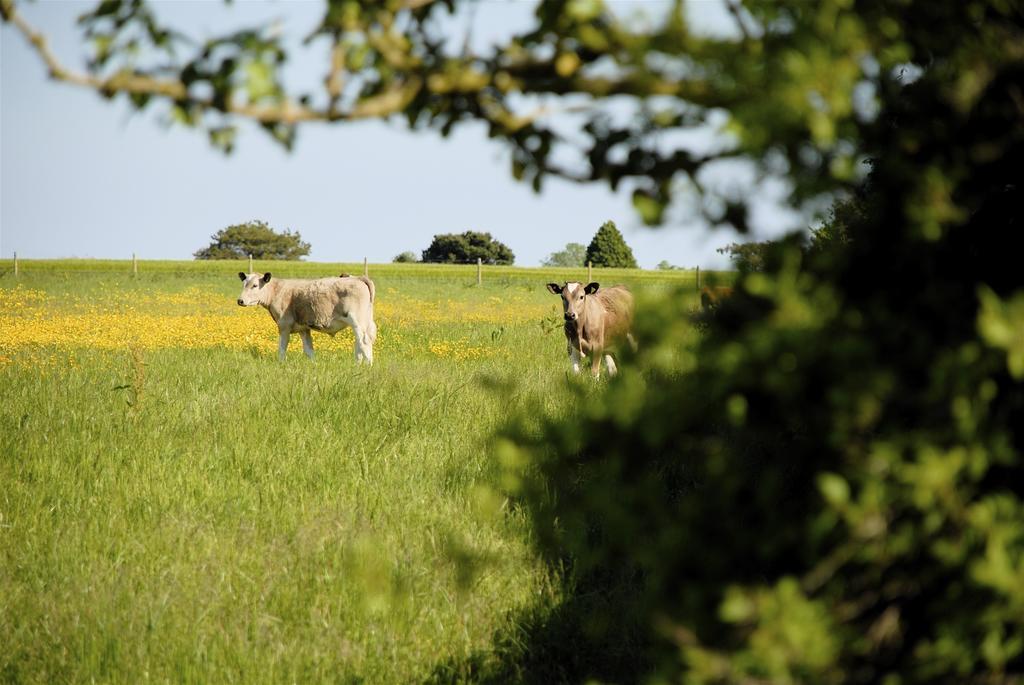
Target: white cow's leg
574	358
307	342
364	334
368	347
282	344
610	365
358	333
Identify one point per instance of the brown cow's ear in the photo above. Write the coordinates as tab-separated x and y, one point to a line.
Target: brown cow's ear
591	288
266	277
241	276
555	288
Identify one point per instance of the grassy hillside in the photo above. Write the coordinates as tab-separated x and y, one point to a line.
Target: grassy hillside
179	506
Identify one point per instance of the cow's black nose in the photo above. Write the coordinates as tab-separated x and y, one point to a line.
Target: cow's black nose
240	301
570	317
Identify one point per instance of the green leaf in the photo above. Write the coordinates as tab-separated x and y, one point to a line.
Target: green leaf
834	488
259	80
223	138
650	208
584	10
737	607
1001	325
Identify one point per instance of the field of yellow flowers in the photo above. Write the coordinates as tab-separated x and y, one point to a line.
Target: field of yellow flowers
195	319
176	505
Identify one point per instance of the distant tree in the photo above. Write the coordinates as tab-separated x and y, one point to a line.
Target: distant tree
747	256
664	265
609	248
466	248
835	231
574	254
405	257
254	238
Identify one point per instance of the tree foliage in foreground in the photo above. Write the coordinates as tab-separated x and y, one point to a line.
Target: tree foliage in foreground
255	238
828	485
466	248
608	248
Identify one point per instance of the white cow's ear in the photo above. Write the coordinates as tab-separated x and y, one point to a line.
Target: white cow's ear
591	288
555	288
241	276
266	277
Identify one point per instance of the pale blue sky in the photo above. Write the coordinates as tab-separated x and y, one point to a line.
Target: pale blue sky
84	177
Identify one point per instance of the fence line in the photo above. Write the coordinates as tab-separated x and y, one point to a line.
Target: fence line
497	271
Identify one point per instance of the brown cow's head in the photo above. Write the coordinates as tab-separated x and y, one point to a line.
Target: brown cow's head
574	294
252	288
712	296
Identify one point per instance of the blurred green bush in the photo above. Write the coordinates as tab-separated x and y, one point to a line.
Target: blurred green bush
827	486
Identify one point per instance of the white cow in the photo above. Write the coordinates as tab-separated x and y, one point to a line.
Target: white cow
325	304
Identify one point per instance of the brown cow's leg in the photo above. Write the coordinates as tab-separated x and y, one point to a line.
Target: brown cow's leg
574	358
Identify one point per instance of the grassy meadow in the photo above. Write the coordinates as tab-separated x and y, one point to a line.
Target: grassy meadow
176	505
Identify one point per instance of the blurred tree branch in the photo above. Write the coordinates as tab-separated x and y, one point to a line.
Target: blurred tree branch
776	92
142	84
387	59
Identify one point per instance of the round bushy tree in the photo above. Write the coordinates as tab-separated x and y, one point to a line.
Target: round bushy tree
609	248
466	248
254	238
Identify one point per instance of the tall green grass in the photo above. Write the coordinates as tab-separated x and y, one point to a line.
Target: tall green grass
216	516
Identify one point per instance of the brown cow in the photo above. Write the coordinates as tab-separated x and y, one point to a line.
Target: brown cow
712	296
594	319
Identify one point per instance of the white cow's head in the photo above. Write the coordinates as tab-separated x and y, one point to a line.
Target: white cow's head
573	295
252	288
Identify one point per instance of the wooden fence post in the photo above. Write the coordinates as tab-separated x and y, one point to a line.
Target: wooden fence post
135	266
698	278
15	263
366	268
590	269
250	262
479	272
